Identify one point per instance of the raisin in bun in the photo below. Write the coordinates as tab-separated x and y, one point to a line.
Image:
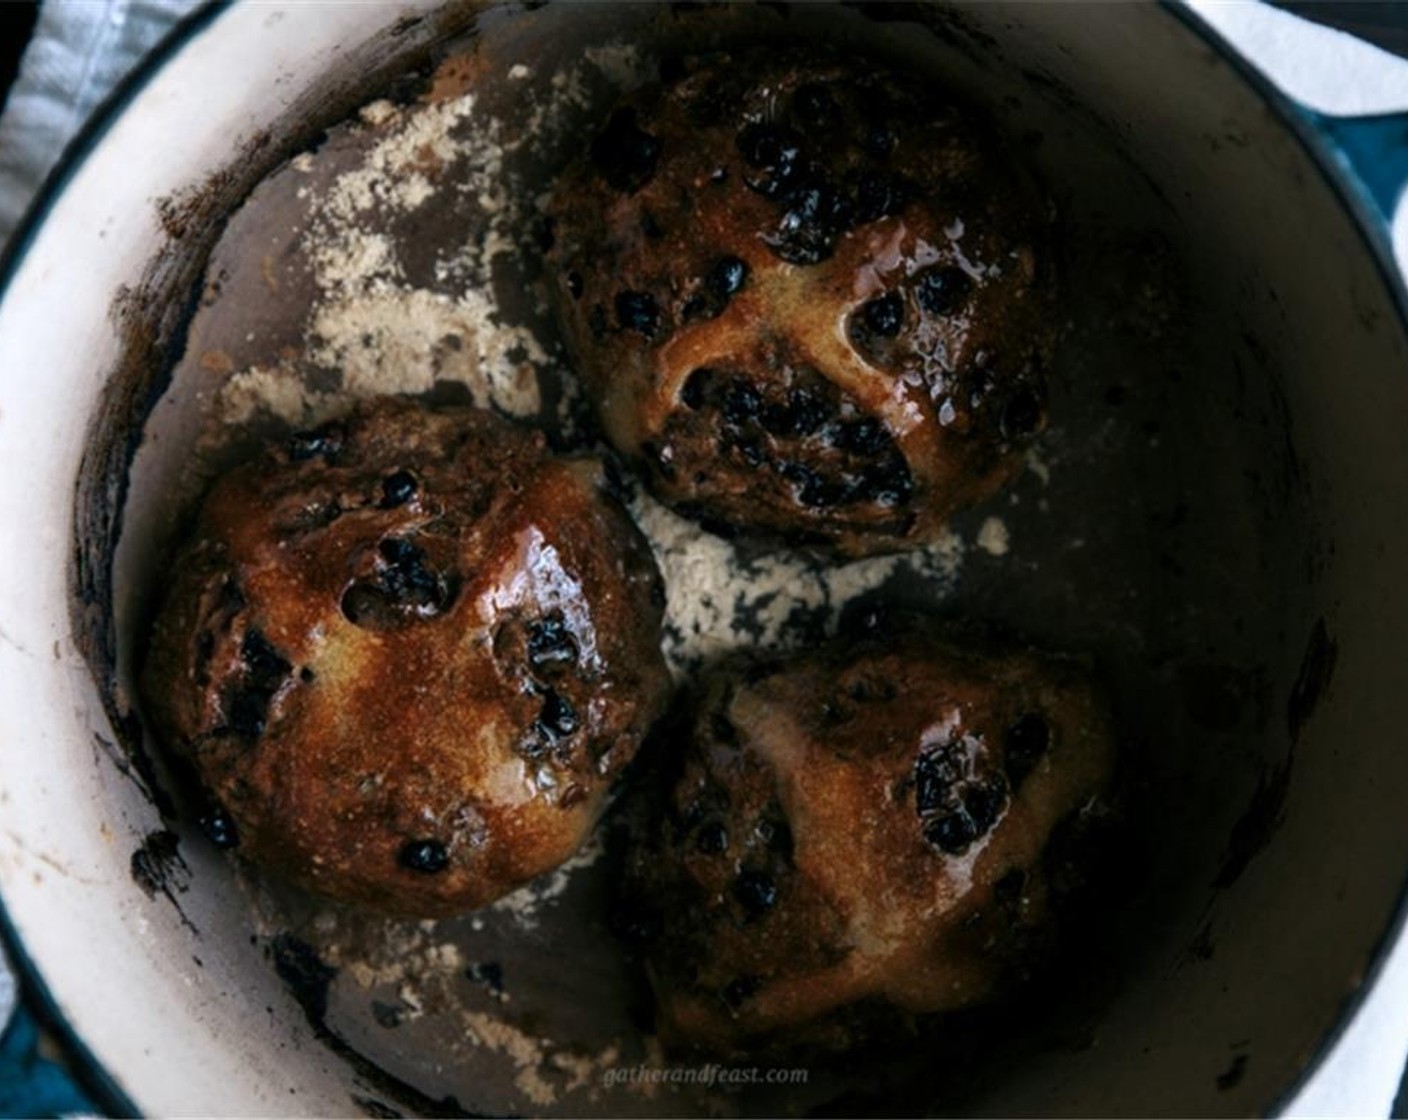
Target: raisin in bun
809	300
407	654
869	826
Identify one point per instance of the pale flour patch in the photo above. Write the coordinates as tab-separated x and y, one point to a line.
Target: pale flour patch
719	601
993	537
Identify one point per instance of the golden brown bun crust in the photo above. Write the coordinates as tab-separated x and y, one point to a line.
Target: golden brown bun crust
407	654
857	269
865	826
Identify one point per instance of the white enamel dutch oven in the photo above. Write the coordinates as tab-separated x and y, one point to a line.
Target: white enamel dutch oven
1280	855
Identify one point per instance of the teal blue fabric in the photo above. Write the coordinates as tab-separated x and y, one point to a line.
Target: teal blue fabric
31	1085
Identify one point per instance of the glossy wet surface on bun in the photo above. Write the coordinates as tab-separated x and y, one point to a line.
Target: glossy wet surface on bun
882	824
407	654
811	300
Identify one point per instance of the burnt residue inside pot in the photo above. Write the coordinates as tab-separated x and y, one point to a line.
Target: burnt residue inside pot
402	252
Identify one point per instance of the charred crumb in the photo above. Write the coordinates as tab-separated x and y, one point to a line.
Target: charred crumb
1232	1076
158	866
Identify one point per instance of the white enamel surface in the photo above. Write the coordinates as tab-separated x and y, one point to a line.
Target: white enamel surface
183	1038
176	1036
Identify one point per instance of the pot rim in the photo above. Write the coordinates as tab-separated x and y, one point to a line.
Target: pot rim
91	1076
1375	231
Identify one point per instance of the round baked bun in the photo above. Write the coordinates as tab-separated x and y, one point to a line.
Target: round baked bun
809	300
407	654
874	828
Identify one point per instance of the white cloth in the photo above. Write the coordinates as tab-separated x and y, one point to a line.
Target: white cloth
80	50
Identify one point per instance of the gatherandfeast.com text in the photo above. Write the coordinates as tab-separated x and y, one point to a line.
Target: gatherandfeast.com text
709	1075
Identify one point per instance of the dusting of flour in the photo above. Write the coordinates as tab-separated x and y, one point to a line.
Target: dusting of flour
719	599
374	331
